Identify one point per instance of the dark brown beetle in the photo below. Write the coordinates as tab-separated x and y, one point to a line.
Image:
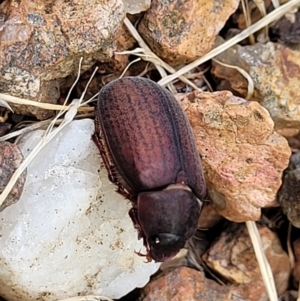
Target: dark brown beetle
148	148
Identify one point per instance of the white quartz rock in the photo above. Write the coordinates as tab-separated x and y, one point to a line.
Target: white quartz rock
70	233
136	6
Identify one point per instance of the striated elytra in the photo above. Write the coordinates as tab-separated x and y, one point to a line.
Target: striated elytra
148	148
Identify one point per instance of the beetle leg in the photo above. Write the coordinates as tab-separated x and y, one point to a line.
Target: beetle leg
112	172
98	141
147	255
133	215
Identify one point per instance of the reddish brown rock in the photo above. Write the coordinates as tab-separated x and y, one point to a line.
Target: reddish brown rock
294	142
233	257
287	29
181	31
4	127
10	159
185	284
289	194
254	13
243	158
209	217
42	41
275	71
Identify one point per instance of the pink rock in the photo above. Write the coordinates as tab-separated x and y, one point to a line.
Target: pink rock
185	284
289	193
243	158
10	159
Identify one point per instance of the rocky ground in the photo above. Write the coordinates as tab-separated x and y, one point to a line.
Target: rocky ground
238	85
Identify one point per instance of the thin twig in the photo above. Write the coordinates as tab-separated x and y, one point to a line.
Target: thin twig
289	247
264	266
27	129
262	9
247	18
244	73
4	104
275	3
155	59
41	105
152	57
127	67
48	136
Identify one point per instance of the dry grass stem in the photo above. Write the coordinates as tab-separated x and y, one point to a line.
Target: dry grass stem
146	69
196	75
47	106
245	74
289	247
127	67
275	3
208	85
262	9
39	125
48	136
37	149
27	129
264	266
5	104
150	56
247	17
41	105
274	15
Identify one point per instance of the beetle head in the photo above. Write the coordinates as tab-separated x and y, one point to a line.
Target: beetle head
167	219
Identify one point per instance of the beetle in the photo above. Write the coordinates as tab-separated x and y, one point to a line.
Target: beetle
149	151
